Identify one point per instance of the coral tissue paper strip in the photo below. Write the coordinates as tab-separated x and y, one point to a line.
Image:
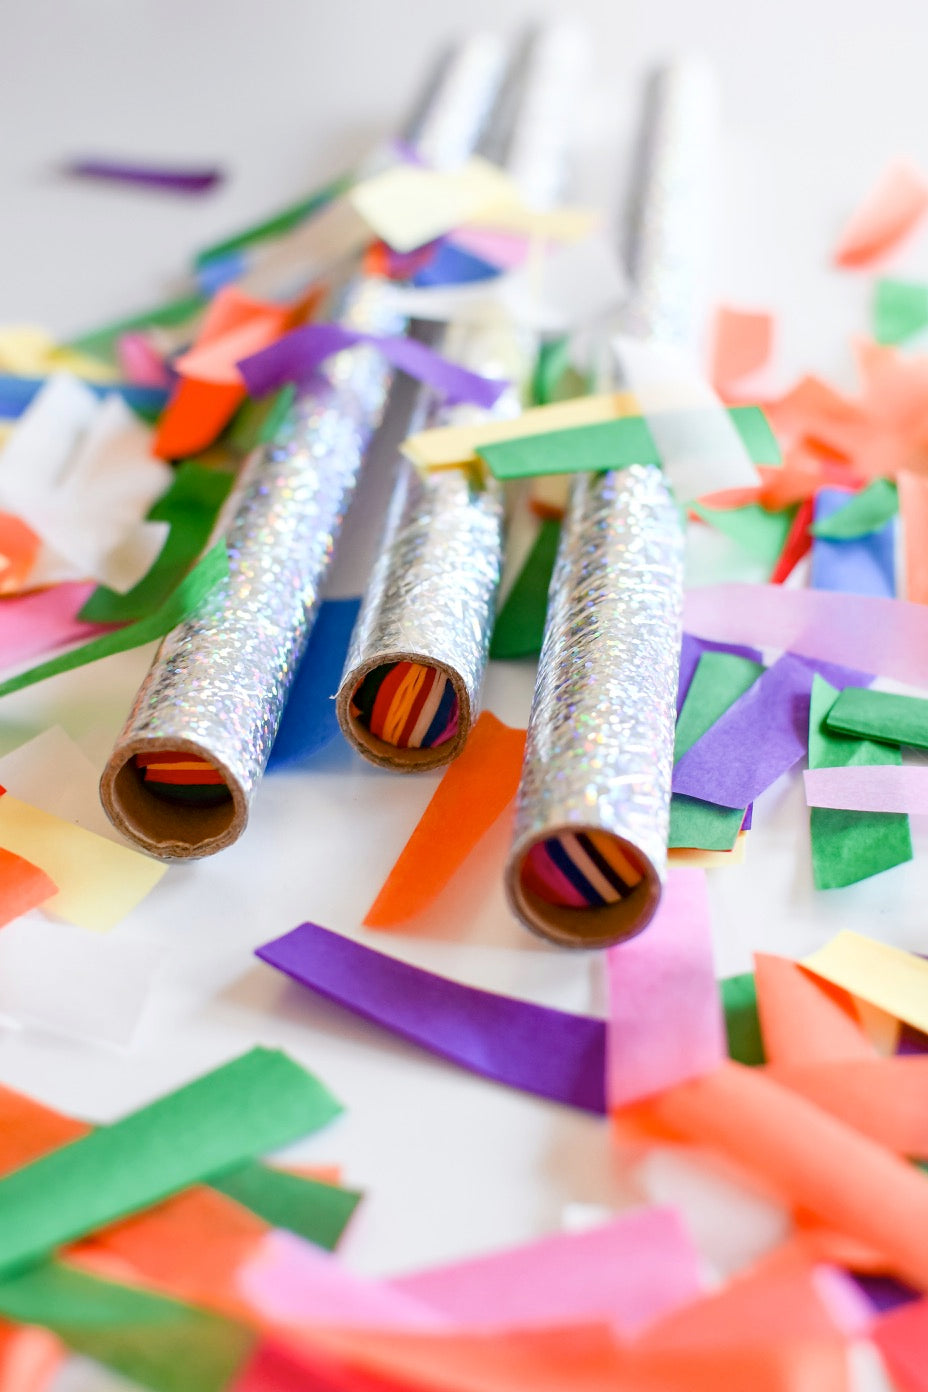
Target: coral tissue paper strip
804	1020
888	212
888	977
878	788
23	886
743	339
885	636
665	1015
902	1338
629	1272
772	1300
532	1047
884	1098
913	504
473	792
814	1161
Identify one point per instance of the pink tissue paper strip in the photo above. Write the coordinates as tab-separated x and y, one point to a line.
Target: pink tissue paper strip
631	1272
37	623
888	637
290	1281
665	1017
877	788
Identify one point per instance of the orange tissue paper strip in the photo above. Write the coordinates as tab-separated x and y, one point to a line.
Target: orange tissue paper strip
891	209
814	1161
189	1247
742	340
210	387
23	886
804	1020
19	547
474	791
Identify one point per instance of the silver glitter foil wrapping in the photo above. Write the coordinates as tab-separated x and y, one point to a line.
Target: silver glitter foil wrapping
599	752
669	206
431	595
218	683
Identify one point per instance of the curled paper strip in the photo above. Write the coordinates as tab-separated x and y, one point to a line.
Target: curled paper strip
590	844
297	356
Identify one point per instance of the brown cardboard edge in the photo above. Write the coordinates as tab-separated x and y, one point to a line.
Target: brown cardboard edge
170	831
583	929
376	751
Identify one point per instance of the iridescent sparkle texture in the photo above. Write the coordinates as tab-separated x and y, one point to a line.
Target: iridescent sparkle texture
221	679
601	731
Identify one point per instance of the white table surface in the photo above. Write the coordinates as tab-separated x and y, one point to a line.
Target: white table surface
816	99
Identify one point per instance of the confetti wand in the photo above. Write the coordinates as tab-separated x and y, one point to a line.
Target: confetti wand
589	849
411	686
182	775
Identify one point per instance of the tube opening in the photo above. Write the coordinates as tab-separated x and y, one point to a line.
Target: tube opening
173	802
584	887
405	714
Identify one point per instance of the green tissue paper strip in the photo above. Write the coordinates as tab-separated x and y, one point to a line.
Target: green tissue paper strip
101	342
253	1104
702	826
900	310
190	507
719	679
520	623
189	594
850	846
157	1342
760	532
612	444
742	1024
277	224
866	512
880	715
316	1211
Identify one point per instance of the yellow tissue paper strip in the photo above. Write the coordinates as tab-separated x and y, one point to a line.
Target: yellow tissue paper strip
710	860
448	446
407	206
98	881
548	225
888	977
28	351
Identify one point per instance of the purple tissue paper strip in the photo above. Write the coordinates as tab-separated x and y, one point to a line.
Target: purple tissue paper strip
760	737
884	1293
296	356
149	176
527	1046
692	649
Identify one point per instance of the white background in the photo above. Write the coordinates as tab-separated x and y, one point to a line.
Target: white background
816	97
